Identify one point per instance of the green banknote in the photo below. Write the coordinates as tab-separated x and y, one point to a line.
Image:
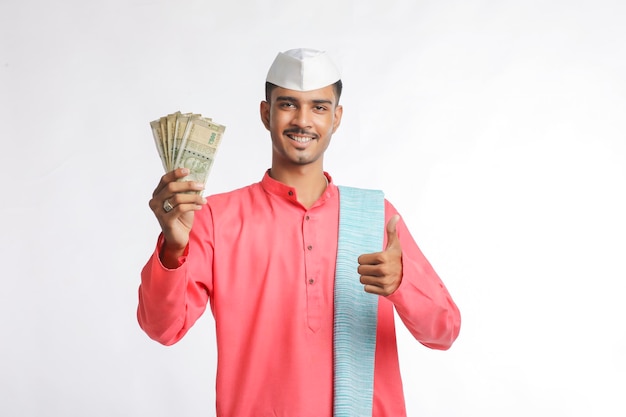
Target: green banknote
187	140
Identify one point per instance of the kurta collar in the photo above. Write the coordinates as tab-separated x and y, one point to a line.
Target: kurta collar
279	189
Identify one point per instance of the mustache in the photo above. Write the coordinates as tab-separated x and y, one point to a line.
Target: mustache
300	132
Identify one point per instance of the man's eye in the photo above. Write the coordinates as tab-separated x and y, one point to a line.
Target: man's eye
286	104
320	108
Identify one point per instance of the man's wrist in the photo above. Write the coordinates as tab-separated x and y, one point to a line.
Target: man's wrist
170	256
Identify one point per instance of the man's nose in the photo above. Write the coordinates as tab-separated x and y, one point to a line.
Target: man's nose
301	118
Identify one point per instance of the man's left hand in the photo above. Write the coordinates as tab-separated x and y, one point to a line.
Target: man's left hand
381	272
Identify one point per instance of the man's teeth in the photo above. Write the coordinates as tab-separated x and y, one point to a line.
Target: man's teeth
301	139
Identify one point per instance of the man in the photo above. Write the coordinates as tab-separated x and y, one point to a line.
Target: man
265	256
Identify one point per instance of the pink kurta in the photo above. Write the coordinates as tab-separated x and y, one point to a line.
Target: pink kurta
266	264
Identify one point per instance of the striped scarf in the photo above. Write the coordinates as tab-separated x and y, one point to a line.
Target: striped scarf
361	230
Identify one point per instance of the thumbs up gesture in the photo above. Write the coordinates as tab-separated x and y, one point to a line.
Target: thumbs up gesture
381	272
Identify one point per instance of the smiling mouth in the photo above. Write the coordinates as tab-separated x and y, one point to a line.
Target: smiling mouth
300	135
300	139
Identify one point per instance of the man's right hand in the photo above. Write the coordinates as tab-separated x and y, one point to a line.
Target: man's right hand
175	223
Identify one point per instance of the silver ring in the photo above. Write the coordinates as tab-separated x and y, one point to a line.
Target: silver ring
167	206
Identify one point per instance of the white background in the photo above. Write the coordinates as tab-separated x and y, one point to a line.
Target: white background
497	128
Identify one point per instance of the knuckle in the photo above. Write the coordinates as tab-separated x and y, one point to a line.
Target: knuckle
171	187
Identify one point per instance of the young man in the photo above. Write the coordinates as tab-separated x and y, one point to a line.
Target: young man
266	259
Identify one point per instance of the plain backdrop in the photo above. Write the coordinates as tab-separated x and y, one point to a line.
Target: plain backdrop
497	128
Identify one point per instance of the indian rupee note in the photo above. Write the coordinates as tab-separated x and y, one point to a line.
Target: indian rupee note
171	127
165	146
158	141
179	131
197	151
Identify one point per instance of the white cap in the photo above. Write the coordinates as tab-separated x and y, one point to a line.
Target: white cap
303	70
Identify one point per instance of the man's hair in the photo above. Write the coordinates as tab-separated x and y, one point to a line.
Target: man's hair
269	87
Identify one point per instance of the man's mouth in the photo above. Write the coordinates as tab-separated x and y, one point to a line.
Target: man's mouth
300	139
300	135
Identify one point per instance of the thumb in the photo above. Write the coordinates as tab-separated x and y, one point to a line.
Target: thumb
392	233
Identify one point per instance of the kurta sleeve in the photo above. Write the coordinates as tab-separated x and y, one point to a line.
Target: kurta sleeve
171	300
422	300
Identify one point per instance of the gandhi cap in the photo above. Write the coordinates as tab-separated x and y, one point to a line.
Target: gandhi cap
303	69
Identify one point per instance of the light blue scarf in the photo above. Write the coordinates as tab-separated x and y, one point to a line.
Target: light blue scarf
361	230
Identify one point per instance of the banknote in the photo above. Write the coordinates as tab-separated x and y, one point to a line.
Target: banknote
187	140
158	141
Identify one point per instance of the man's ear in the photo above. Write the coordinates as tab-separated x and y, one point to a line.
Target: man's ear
265	114
338	114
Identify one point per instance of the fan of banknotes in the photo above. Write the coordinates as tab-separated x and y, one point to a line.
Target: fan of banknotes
187	140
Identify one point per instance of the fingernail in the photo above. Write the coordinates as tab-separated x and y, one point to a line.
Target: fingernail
184	171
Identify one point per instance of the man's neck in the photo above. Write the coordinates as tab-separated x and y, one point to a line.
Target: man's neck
309	182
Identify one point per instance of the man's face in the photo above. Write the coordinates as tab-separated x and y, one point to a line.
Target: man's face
301	124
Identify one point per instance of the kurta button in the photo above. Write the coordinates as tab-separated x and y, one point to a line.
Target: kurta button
307	218
290	193
311	281
309	247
